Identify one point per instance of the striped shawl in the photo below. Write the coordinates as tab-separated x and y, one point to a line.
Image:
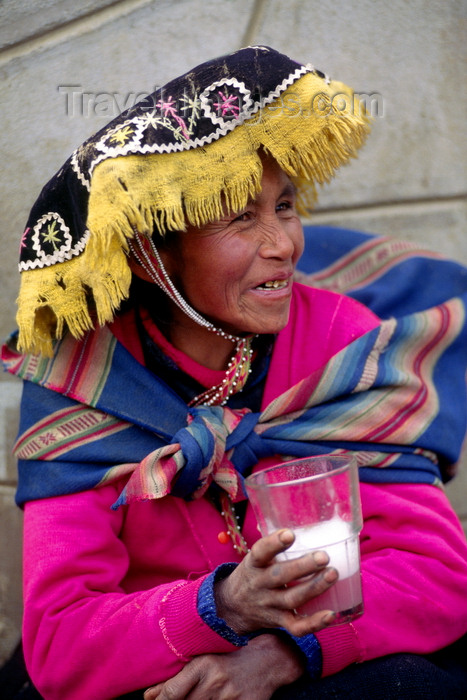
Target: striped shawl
395	397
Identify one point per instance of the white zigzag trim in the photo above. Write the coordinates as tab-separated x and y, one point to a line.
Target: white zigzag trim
113	151
36	237
215	135
58	257
293	77
76	168
204	99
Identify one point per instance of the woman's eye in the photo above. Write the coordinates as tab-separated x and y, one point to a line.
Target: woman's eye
284	206
244	216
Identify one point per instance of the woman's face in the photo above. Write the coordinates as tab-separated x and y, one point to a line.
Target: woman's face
237	272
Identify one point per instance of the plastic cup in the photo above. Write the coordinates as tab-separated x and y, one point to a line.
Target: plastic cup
319	499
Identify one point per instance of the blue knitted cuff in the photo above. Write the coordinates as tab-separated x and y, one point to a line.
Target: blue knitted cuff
308	644
208	611
311	649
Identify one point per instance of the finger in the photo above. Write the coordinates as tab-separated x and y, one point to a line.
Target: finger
280	605
308	624
282	573
266	548
300	592
176	688
274	603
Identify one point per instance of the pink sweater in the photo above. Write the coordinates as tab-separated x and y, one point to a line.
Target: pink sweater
111	597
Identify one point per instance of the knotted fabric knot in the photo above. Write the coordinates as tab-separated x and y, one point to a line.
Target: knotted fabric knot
194	458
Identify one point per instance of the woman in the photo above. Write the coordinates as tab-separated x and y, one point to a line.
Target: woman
167	352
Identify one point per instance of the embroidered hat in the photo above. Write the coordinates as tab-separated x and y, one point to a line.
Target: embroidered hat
181	154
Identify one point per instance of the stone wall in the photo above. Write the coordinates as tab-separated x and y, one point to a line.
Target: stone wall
68	67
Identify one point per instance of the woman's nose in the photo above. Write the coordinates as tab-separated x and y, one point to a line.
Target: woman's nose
276	242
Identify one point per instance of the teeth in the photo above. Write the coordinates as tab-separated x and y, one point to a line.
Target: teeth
275	284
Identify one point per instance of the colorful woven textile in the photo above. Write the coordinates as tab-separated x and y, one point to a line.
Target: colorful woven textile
395	397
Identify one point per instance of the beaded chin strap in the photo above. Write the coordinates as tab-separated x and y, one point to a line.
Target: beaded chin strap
147	255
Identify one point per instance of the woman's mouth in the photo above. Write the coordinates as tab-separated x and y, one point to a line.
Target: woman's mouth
273	284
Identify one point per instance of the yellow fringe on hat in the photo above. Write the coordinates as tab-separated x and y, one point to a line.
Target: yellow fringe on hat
310	130
73	294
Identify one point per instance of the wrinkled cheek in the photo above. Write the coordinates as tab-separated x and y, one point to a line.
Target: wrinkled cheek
299	247
220	302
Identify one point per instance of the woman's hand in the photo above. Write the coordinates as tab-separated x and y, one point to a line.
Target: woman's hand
255	595
253	672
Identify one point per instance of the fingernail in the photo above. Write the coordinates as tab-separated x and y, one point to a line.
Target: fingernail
286	536
330	575
328	618
321	558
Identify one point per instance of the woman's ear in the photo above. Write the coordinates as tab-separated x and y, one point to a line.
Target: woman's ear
170	252
138	269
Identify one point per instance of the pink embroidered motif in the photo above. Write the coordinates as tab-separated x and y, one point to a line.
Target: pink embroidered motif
22	244
167	108
226	106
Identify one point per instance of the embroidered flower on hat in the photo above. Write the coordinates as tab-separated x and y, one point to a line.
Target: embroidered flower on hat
52	241
51	238
226	101
121	140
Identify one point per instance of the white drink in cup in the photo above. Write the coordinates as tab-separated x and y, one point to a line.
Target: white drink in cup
343	549
318	498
